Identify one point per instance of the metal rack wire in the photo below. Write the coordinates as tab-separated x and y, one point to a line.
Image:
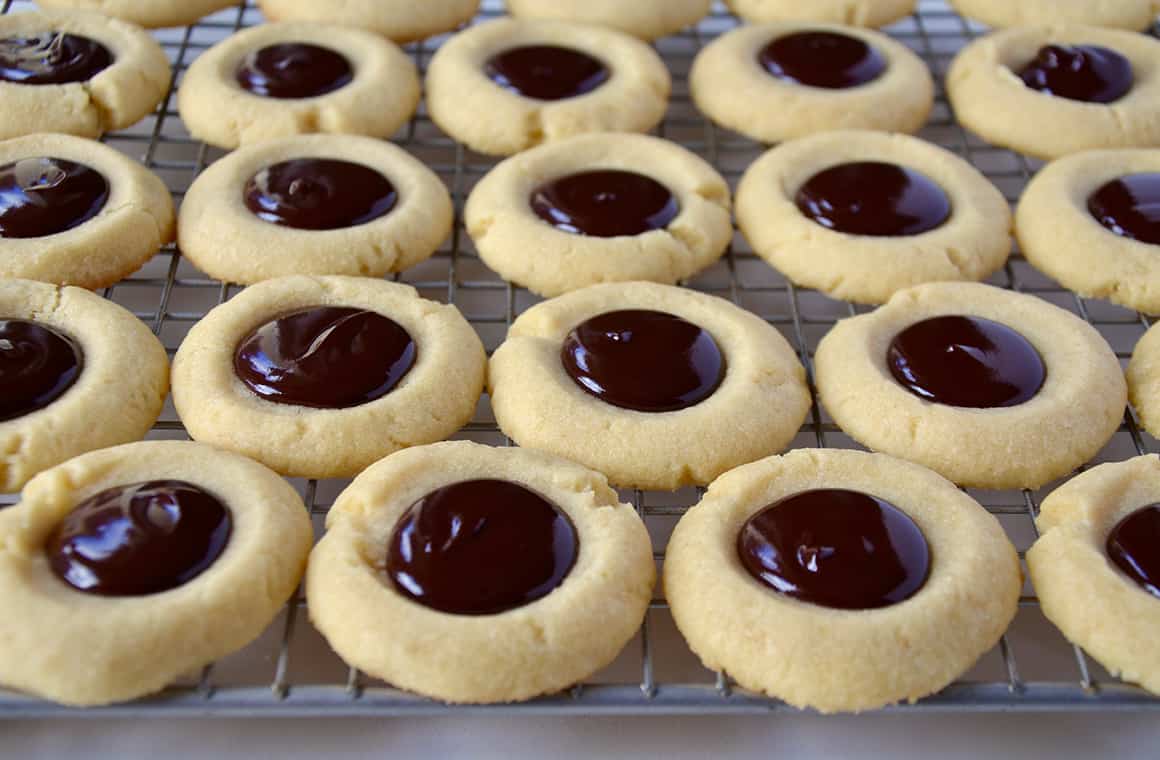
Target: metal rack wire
290	671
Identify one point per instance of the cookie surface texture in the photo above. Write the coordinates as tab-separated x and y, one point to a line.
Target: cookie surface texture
1135	15
871	13
154	14
647	19
398	20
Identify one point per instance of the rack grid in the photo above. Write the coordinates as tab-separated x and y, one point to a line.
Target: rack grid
290	671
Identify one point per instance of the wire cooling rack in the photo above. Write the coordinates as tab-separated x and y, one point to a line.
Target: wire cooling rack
290	671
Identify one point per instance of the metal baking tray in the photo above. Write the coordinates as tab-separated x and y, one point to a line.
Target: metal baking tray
290	671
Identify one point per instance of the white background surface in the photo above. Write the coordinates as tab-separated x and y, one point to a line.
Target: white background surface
947	737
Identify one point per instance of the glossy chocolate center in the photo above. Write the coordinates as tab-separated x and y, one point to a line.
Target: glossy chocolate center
1130	207
874	198
319	194
481	547
966	362
52	58
293	70
605	203
37	365
45	196
1134	547
139	539
822	59
546	72
1087	73
836	548
325	358
648	361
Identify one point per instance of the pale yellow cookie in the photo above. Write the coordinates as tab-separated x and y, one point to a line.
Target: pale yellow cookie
83	648
1144	380
148	13
647	19
755	410
433	398
1136	15
225	239
134	221
1063	423
398	20
467	103
853	12
116	97
381	95
1062	238
730	85
829	658
992	101
525	249
116	391
565	634
1088	596
971	244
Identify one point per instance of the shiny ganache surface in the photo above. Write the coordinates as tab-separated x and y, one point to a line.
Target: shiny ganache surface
325	357
605	203
829	60
294	70
647	361
1134	547
874	198
319	194
836	548
966	362
38	364
51	57
139	539
1130	206
481	547
1086	73
546	72
43	196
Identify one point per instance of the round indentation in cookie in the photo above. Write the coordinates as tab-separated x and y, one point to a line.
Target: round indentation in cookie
37	365
319	194
605	203
45	196
546	72
1130	206
822	59
52	58
1134	547
139	539
1087	73
326	358
836	548
293	70
874	198
648	361
481	547
966	362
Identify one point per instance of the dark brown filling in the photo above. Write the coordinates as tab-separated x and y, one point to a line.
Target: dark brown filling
967	362
822	59
319	194
875	199
1134	547
293	70
37	365
52	58
546	72
325	358
45	196
648	361
605	203
836	548
1087	73
139	539
481	547
1130	206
